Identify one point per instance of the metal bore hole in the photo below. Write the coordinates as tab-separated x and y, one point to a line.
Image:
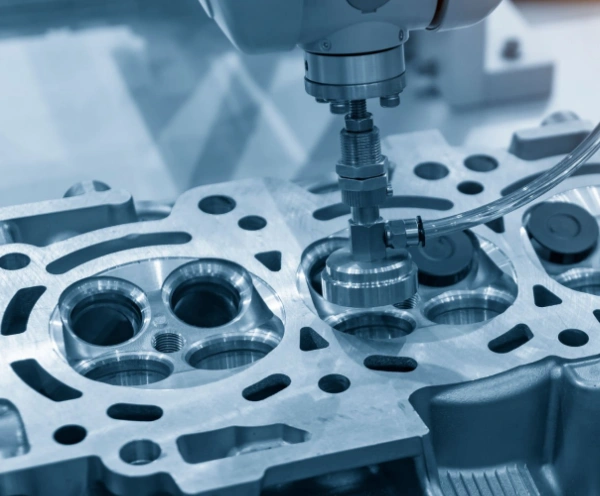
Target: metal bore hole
70	434
431	171
470	187
481	163
334	383
583	280
252	223
14	261
140	452
205	302
106	319
467	308
375	326
217	205
168	342
129	371
230	352
573	338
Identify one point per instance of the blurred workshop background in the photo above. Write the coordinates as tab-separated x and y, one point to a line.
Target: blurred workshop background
149	96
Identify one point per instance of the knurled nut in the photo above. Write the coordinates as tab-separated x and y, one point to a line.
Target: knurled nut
373	198
362	171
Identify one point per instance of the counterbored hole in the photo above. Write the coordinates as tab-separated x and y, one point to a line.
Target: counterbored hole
130	371
573	338
463	309
481	163
70	434
334	383
217	205
376	326
470	187
232	352
106	319
168	342
252	223
14	261
140	452
431	171
206	302
585	281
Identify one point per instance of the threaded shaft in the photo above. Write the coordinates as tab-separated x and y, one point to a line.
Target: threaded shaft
358	109
361	148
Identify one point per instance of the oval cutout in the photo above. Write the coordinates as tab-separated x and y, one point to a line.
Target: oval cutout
266	388
384	363
134	413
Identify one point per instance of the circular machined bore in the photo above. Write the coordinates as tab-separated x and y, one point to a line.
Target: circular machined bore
467	307
252	223
132	371
376	326
208	293
470	187
70	435
233	351
14	261
334	383
584	280
104	311
481	163
217	205
140	452
205	303
106	320
431	171
573	338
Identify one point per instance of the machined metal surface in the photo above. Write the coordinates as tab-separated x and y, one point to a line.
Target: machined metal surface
270	389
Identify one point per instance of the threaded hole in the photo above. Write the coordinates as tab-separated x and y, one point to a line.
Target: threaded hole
168	342
408	304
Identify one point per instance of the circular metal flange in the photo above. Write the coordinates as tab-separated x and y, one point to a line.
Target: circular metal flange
350	283
356	77
563	233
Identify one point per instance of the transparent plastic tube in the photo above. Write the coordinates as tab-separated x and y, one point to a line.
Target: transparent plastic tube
520	197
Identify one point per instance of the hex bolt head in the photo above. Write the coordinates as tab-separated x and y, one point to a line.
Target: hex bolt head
390	101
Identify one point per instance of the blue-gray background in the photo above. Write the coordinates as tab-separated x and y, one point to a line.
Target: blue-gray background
149	96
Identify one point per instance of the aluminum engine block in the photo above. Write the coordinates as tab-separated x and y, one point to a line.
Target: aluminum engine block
154	350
